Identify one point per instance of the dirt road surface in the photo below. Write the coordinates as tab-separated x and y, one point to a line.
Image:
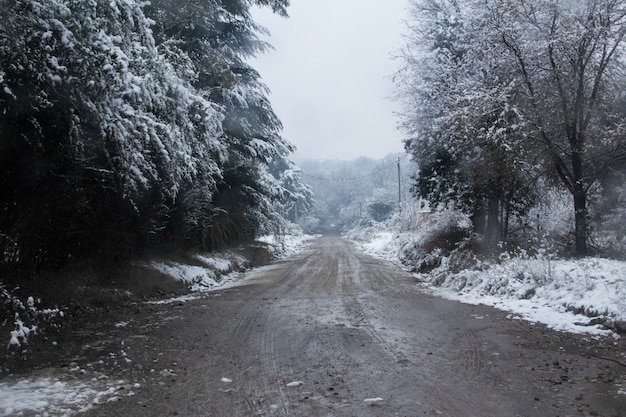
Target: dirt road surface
334	332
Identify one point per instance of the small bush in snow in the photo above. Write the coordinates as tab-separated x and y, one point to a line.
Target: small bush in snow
27	317
441	234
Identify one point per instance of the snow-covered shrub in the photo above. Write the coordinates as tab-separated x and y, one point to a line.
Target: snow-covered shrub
413	216
438	235
23	319
380	210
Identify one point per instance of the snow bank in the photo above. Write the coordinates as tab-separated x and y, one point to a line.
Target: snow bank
220	264
199	278
552	292
287	245
222	270
562	294
382	245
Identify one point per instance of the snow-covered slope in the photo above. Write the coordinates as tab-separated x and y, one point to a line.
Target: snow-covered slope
563	294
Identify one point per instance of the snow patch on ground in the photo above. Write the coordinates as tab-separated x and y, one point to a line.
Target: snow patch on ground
198	278
287	245
539	289
174	300
210	277
218	263
48	396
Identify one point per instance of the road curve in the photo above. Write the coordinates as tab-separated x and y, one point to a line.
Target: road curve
334	332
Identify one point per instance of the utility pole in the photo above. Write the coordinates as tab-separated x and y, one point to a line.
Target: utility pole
399	188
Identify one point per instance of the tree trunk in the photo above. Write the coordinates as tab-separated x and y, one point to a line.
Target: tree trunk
504	226
581	218
581	221
478	217
492	230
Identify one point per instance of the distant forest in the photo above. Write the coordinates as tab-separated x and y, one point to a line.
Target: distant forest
356	193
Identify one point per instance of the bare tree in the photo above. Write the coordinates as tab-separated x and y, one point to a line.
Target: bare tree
568	57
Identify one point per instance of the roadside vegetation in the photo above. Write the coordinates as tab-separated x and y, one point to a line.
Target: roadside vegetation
515	110
133	135
129	127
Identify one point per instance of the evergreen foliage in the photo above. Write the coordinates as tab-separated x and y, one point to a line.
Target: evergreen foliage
126	125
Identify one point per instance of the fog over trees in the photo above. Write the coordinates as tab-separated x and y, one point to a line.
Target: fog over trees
510	102
355	193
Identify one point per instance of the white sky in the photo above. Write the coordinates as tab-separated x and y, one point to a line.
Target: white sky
330	75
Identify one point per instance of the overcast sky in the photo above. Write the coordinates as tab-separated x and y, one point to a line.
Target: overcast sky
330	75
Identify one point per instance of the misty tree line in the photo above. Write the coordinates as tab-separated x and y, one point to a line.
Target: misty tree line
128	125
506	100
354	193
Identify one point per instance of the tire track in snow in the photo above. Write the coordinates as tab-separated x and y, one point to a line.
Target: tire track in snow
473	355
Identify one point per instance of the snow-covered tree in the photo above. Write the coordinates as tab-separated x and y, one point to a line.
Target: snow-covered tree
501	92
463	122
122	122
299	198
569	62
97	117
216	37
